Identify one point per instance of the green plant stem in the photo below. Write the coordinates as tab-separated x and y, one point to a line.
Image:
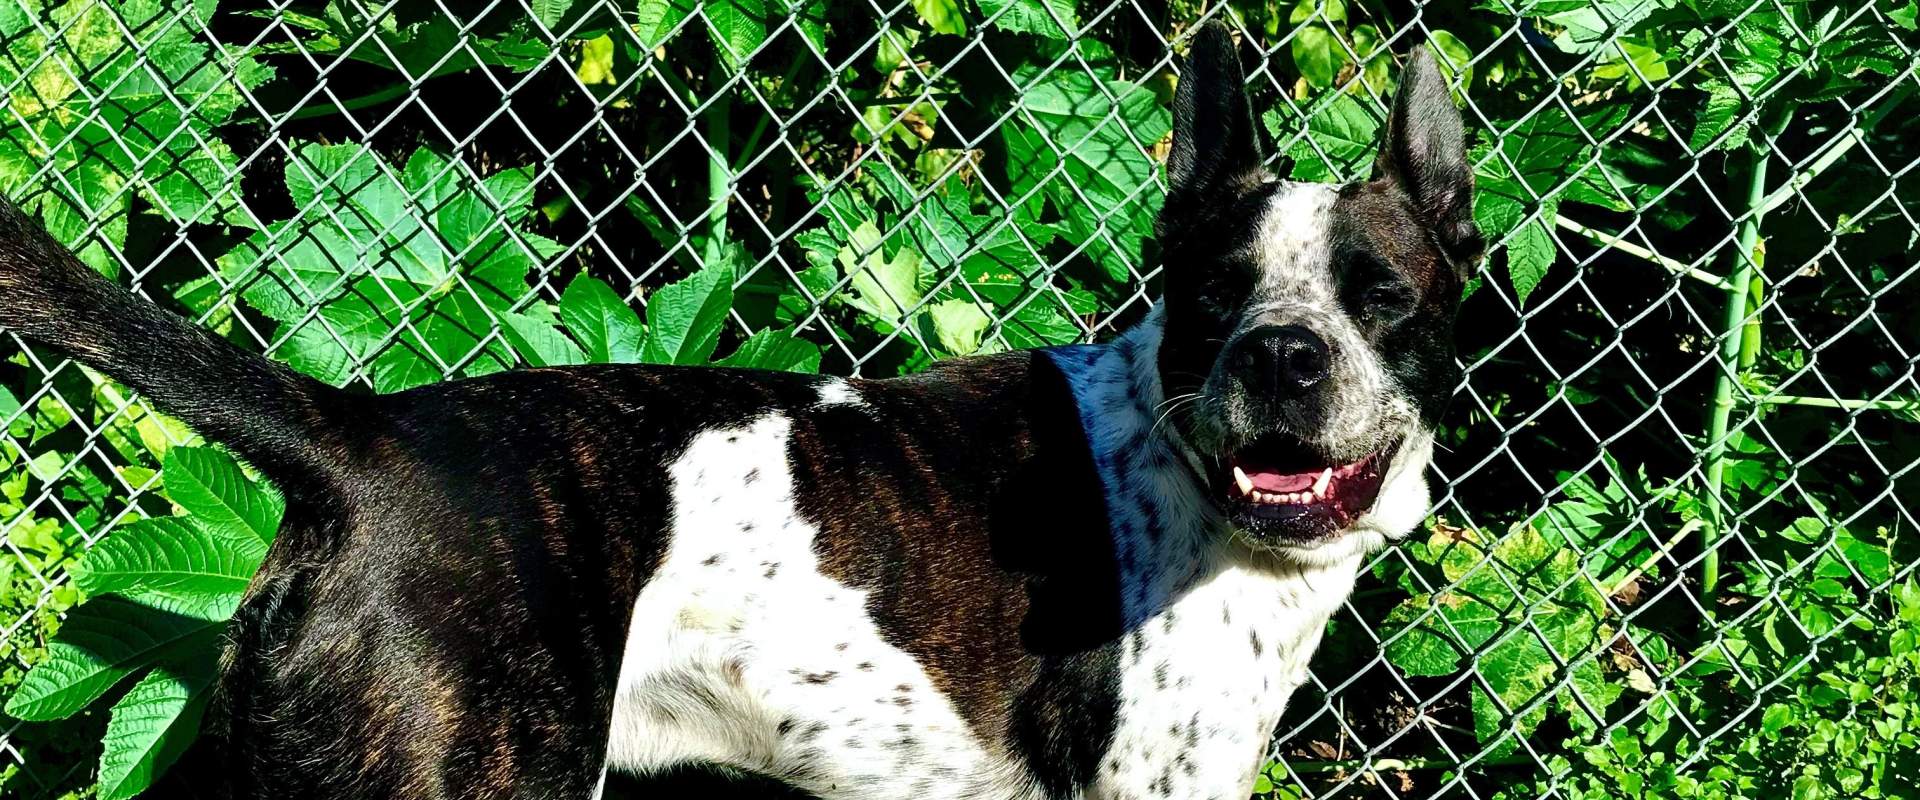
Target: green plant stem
1847	405
752	142
719	172
1666	551
369	99
1632	249
1733	364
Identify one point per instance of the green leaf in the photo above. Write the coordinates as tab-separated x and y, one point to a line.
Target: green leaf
887	288
538	341
739	27
1080	139
155	721
114	120
1318	54
430	253
1906	15
684	318
1340	143
1039	17
1586	28
550	12
170	556
775	350
603	323
943	16
654	20
1327	10
958	325
1455	57
1721	112
208	483
103	641
1530	253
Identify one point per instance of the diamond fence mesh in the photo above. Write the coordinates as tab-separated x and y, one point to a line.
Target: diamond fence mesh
1670	553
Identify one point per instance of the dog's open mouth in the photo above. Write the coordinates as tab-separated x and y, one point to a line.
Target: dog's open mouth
1281	480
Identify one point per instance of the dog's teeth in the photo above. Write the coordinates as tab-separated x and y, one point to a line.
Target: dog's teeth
1320	486
1245	483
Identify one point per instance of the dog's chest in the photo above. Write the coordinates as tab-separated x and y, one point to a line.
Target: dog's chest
1204	682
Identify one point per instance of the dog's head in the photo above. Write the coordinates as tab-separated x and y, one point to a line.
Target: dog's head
1307	350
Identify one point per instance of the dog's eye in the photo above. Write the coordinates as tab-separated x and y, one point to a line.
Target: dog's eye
1389	301
1374	290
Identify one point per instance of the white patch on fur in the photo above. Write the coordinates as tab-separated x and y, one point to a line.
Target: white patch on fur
837	392
1220	631
1296	286
742	653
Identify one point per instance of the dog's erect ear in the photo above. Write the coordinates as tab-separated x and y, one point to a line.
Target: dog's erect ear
1425	151
1213	140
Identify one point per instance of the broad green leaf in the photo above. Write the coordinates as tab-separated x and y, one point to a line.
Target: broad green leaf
1340	142
1721	112
958	325
596	62
1327	10
1500	209
943	16
684	318
601	322
887	288
118	119
1455	57
1318	54
775	350
1635	60
419	46
1586	29
550	12
810	18
1081	140
656	19
1906	15
170	556
537	340
739	27
1040	17
1529	254
155	721
410	270
1425	649
209	485
103	641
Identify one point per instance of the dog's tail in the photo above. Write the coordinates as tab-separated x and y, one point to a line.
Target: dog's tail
282	422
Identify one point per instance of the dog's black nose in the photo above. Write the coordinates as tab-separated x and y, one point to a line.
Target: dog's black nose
1288	358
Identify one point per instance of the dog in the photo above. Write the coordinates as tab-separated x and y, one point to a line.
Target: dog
1087	571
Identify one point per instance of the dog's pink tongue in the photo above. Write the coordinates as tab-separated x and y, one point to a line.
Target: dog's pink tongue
1281	482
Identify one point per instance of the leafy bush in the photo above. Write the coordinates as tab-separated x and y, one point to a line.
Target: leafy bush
1669	555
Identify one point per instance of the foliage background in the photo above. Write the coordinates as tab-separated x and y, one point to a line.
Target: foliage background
1672	551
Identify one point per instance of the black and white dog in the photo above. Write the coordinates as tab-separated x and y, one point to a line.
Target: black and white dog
1093	571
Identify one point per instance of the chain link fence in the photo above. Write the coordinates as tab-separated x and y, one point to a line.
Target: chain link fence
1671	551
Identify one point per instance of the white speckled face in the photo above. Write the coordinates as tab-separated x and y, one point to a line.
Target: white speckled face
1308	327
742	653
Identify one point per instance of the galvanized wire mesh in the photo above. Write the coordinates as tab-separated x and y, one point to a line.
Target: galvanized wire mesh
1688	418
